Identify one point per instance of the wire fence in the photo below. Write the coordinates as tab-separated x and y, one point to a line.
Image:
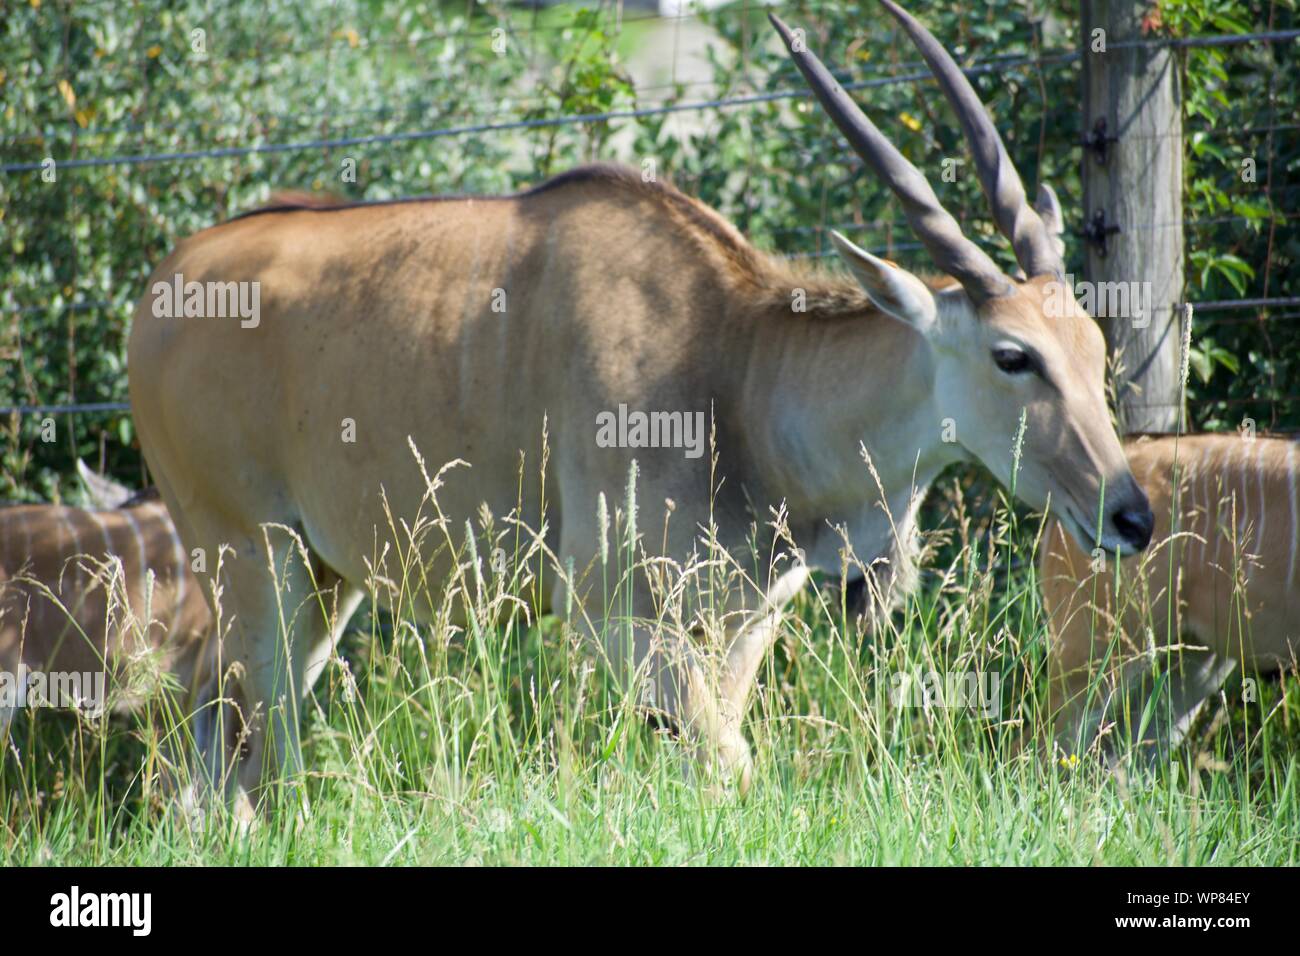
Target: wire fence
1226	312
997	64
751	99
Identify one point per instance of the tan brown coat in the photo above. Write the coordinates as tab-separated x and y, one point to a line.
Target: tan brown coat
74	595
1220	575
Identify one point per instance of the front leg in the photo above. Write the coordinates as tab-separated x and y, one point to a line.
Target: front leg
1145	717
887	576
682	688
753	642
1192	676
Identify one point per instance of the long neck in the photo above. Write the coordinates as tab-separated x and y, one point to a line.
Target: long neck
816	391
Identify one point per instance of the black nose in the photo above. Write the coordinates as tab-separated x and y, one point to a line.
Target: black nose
1135	525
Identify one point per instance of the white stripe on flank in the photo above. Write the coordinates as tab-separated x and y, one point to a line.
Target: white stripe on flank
1223	507
66	522
72	530
1243	513
1290	479
1263	504
1209	522
1196	511
178	552
103	532
139	540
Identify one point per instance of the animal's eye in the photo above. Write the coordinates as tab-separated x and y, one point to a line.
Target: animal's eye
1012	361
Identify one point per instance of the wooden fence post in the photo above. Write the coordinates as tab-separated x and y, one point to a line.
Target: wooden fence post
1132	190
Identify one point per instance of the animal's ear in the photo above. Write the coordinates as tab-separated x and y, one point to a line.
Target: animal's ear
892	288
103	494
1048	208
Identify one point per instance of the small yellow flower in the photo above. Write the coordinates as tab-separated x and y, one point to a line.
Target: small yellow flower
910	121
1070	762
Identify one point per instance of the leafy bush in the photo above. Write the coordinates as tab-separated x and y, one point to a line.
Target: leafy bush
96	81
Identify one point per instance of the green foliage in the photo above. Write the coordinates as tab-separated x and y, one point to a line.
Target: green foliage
102	80
1241	192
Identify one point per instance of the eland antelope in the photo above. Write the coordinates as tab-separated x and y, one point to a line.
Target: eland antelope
65	606
1219	585
457	326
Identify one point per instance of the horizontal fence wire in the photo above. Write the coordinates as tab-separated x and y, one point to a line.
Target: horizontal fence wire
543	122
226	152
909	67
1280	400
1229	305
388	113
65	409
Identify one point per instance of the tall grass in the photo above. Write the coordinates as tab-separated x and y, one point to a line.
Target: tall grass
480	733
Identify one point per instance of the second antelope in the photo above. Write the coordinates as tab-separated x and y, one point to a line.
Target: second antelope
75	595
459	325
1219	585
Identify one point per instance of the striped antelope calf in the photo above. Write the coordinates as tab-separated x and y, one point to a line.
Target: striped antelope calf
65	608
1222	589
456	324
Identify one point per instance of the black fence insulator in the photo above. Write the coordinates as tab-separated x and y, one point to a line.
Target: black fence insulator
1098	141
1096	230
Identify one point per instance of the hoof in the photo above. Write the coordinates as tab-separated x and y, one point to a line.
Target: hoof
726	766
